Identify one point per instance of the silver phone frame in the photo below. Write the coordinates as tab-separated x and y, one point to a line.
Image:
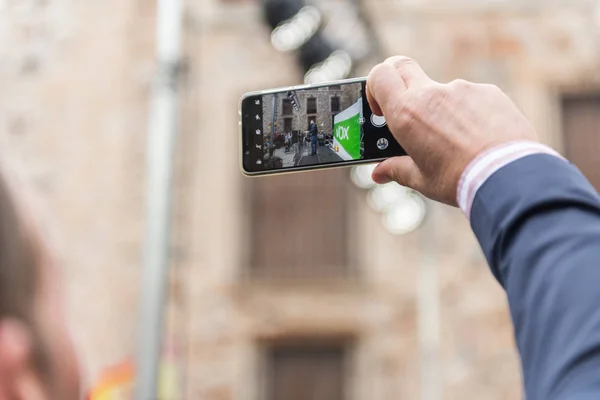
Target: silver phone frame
291	170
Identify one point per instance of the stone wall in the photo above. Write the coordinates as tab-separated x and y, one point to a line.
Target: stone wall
348	95
75	79
507	43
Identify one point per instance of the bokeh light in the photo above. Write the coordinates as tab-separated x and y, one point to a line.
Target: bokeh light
405	216
361	176
337	66
292	34
383	197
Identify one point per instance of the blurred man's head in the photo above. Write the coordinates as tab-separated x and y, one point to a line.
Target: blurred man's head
37	360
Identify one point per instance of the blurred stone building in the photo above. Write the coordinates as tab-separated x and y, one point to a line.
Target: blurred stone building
319	105
279	285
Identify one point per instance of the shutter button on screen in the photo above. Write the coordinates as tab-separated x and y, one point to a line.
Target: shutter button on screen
377	121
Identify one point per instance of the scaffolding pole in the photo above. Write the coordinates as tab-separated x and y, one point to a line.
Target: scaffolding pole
162	132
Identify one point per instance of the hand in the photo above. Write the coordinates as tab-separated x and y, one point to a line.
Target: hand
442	127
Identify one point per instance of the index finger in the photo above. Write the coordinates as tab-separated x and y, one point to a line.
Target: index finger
384	88
389	80
411	72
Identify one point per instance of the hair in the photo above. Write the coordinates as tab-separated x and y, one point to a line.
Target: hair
19	259
21	256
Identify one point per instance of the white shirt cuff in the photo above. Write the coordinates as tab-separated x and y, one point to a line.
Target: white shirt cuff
490	161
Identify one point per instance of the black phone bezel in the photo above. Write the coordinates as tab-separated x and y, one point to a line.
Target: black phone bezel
248	152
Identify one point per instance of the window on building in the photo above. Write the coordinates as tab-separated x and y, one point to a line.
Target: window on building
581	126
287	108
335	104
287	125
298	227
311	105
301	372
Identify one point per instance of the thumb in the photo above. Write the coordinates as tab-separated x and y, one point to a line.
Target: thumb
401	170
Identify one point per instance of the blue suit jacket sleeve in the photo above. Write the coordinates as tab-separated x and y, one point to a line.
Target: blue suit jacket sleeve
538	223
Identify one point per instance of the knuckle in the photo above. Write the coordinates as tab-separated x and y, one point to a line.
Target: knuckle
400	62
492	88
460	85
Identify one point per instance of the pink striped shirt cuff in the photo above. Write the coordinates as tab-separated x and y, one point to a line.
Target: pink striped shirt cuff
490	161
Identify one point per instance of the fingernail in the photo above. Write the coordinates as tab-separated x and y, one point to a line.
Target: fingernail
379	178
382	180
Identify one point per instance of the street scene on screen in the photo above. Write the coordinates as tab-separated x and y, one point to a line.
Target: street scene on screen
313	126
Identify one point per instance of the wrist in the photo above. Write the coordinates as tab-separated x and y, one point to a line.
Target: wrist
488	162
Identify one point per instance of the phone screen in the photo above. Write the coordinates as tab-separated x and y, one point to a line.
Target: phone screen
312	127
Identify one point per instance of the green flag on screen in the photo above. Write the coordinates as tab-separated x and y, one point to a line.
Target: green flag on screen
347	132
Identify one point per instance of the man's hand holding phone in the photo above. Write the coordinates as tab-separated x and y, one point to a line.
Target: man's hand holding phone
442	127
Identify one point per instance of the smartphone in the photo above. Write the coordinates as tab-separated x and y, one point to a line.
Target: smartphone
312	127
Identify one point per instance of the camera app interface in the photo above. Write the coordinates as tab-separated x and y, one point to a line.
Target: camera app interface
315	126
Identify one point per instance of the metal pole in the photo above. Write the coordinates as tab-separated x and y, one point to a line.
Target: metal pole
162	129
272	137
273	119
428	311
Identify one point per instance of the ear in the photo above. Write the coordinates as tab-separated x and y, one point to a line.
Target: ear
18	379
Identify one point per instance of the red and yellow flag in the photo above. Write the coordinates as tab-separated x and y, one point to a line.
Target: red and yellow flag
116	382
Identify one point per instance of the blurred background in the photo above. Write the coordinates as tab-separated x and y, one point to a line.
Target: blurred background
315	286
